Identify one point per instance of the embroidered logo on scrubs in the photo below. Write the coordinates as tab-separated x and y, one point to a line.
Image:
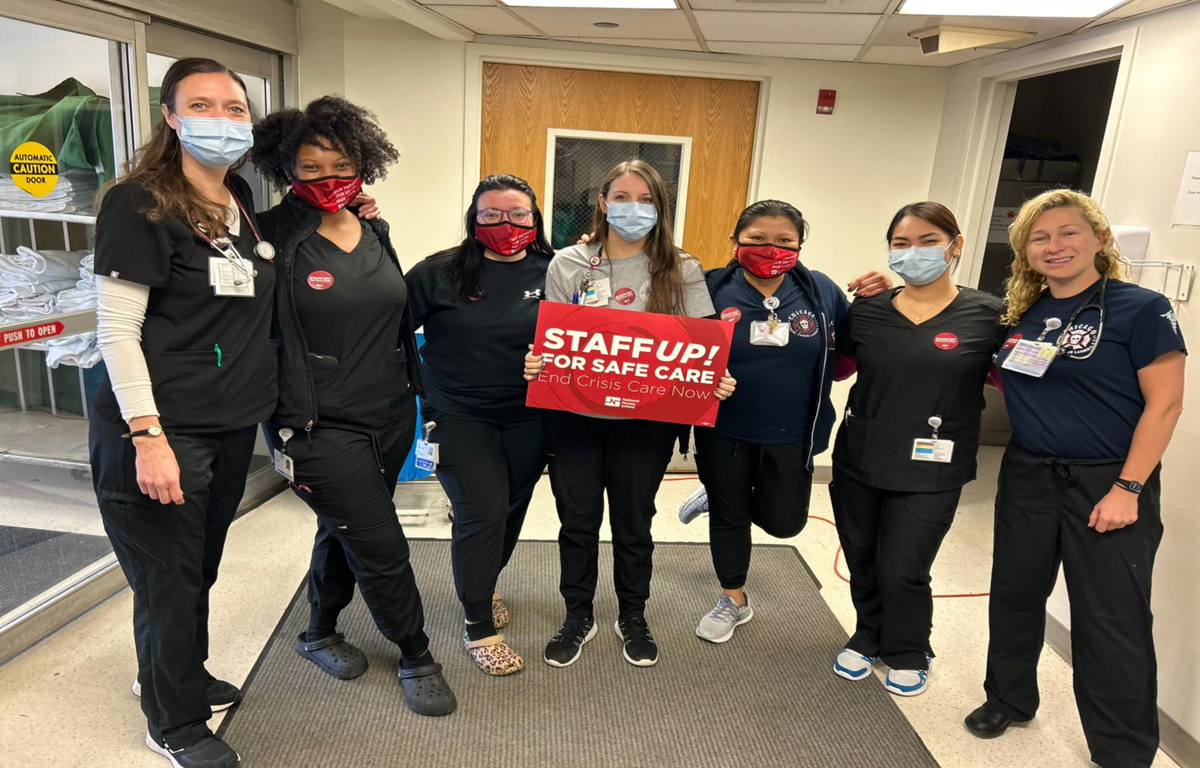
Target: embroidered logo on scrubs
1079	340
536	293
320	280
624	295
644	291
731	314
804	323
1012	341
1174	321
945	341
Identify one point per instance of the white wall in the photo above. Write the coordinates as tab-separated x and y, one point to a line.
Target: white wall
1157	127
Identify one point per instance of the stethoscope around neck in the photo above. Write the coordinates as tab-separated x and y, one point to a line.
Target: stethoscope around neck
224	246
1096	302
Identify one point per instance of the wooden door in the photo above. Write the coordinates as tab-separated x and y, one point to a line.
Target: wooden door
521	103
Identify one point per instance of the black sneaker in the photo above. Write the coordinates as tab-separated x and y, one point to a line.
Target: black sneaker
566	645
220	694
208	752
640	649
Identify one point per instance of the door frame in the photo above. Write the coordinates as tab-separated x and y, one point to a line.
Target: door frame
988	127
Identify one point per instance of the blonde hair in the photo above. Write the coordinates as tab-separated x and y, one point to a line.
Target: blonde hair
1026	284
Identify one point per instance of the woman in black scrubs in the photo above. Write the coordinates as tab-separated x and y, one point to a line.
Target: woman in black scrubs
908	442
756	461
478	303
1093	378
347	410
186	290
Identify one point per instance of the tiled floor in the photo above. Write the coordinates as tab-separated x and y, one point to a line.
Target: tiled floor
66	702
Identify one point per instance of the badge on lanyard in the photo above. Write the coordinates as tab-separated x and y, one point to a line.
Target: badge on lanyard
770	332
284	464
593	292
933	449
1033	358
231	277
427	452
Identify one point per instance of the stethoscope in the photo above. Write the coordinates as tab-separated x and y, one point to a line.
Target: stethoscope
1053	323
224	246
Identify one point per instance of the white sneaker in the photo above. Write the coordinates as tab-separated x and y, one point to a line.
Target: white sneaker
694	506
852	665
908	682
719	624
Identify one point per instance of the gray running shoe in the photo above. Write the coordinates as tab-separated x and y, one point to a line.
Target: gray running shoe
694	506
718	626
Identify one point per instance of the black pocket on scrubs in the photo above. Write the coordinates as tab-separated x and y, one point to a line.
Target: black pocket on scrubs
327	379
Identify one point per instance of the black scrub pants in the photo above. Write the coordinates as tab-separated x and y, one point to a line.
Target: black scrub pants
1042	510
750	484
347	475
170	555
488	468
890	540
626	458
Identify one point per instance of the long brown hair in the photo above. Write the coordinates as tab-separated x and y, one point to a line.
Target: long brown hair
666	275
158	165
1027	284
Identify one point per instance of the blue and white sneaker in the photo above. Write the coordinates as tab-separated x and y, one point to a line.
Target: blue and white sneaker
908	682
852	665
694	506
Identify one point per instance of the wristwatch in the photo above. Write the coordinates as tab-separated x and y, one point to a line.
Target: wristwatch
154	430
1133	486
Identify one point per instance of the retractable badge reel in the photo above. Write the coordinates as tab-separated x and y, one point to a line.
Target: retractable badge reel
427	451
933	449
771	332
1033	358
284	464
593	292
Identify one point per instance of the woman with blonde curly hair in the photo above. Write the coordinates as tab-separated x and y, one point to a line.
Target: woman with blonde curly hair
1093	380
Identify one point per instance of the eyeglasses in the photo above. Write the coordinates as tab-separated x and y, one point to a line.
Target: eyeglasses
520	216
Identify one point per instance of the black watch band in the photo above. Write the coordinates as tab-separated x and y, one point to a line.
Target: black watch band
154	430
1133	486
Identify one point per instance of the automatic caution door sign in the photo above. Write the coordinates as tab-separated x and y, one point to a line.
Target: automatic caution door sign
34	169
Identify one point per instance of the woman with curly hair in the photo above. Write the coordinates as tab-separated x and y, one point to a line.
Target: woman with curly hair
348	373
1093	380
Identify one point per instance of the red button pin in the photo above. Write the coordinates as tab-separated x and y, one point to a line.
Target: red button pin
320	280
945	341
624	295
731	314
1012	341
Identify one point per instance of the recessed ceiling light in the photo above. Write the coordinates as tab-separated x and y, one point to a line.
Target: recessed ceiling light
1058	9
635	4
606	24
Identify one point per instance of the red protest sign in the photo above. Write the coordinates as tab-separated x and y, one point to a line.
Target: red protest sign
635	364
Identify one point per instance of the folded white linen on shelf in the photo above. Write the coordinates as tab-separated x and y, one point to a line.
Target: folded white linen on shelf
28	267
80	350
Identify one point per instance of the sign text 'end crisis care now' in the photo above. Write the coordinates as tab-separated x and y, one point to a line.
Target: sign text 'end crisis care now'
633	364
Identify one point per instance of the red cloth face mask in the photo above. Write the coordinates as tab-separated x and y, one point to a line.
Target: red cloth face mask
505	238
767	261
329	193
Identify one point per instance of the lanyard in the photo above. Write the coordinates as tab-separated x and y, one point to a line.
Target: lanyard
224	245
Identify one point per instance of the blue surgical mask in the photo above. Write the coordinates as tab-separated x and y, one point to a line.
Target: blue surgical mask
632	221
217	142
919	266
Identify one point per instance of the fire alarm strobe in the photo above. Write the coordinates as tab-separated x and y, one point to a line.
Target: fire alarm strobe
825	101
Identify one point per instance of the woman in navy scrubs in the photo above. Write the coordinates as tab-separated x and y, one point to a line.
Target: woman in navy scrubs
756	462
1093	377
908	441
186	290
348	365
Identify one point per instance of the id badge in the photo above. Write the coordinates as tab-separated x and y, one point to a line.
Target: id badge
762	335
285	466
426	455
230	279
1031	358
598	293
932	449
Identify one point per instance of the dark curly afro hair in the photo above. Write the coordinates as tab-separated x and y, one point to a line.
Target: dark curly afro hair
354	130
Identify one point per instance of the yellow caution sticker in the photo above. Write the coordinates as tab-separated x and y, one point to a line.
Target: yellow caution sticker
34	169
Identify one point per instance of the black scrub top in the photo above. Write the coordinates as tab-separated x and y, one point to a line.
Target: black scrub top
774	399
195	388
351	307
908	373
1088	403
475	350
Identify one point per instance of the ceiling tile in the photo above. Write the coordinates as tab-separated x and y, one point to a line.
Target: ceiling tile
795	6
895	31
580	22
487	3
1137	8
911	54
835	29
789	50
672	45
482	21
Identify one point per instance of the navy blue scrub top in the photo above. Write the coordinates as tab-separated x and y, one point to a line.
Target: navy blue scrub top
774	399
1087	408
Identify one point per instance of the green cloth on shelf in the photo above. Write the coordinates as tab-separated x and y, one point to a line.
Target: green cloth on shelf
70	120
